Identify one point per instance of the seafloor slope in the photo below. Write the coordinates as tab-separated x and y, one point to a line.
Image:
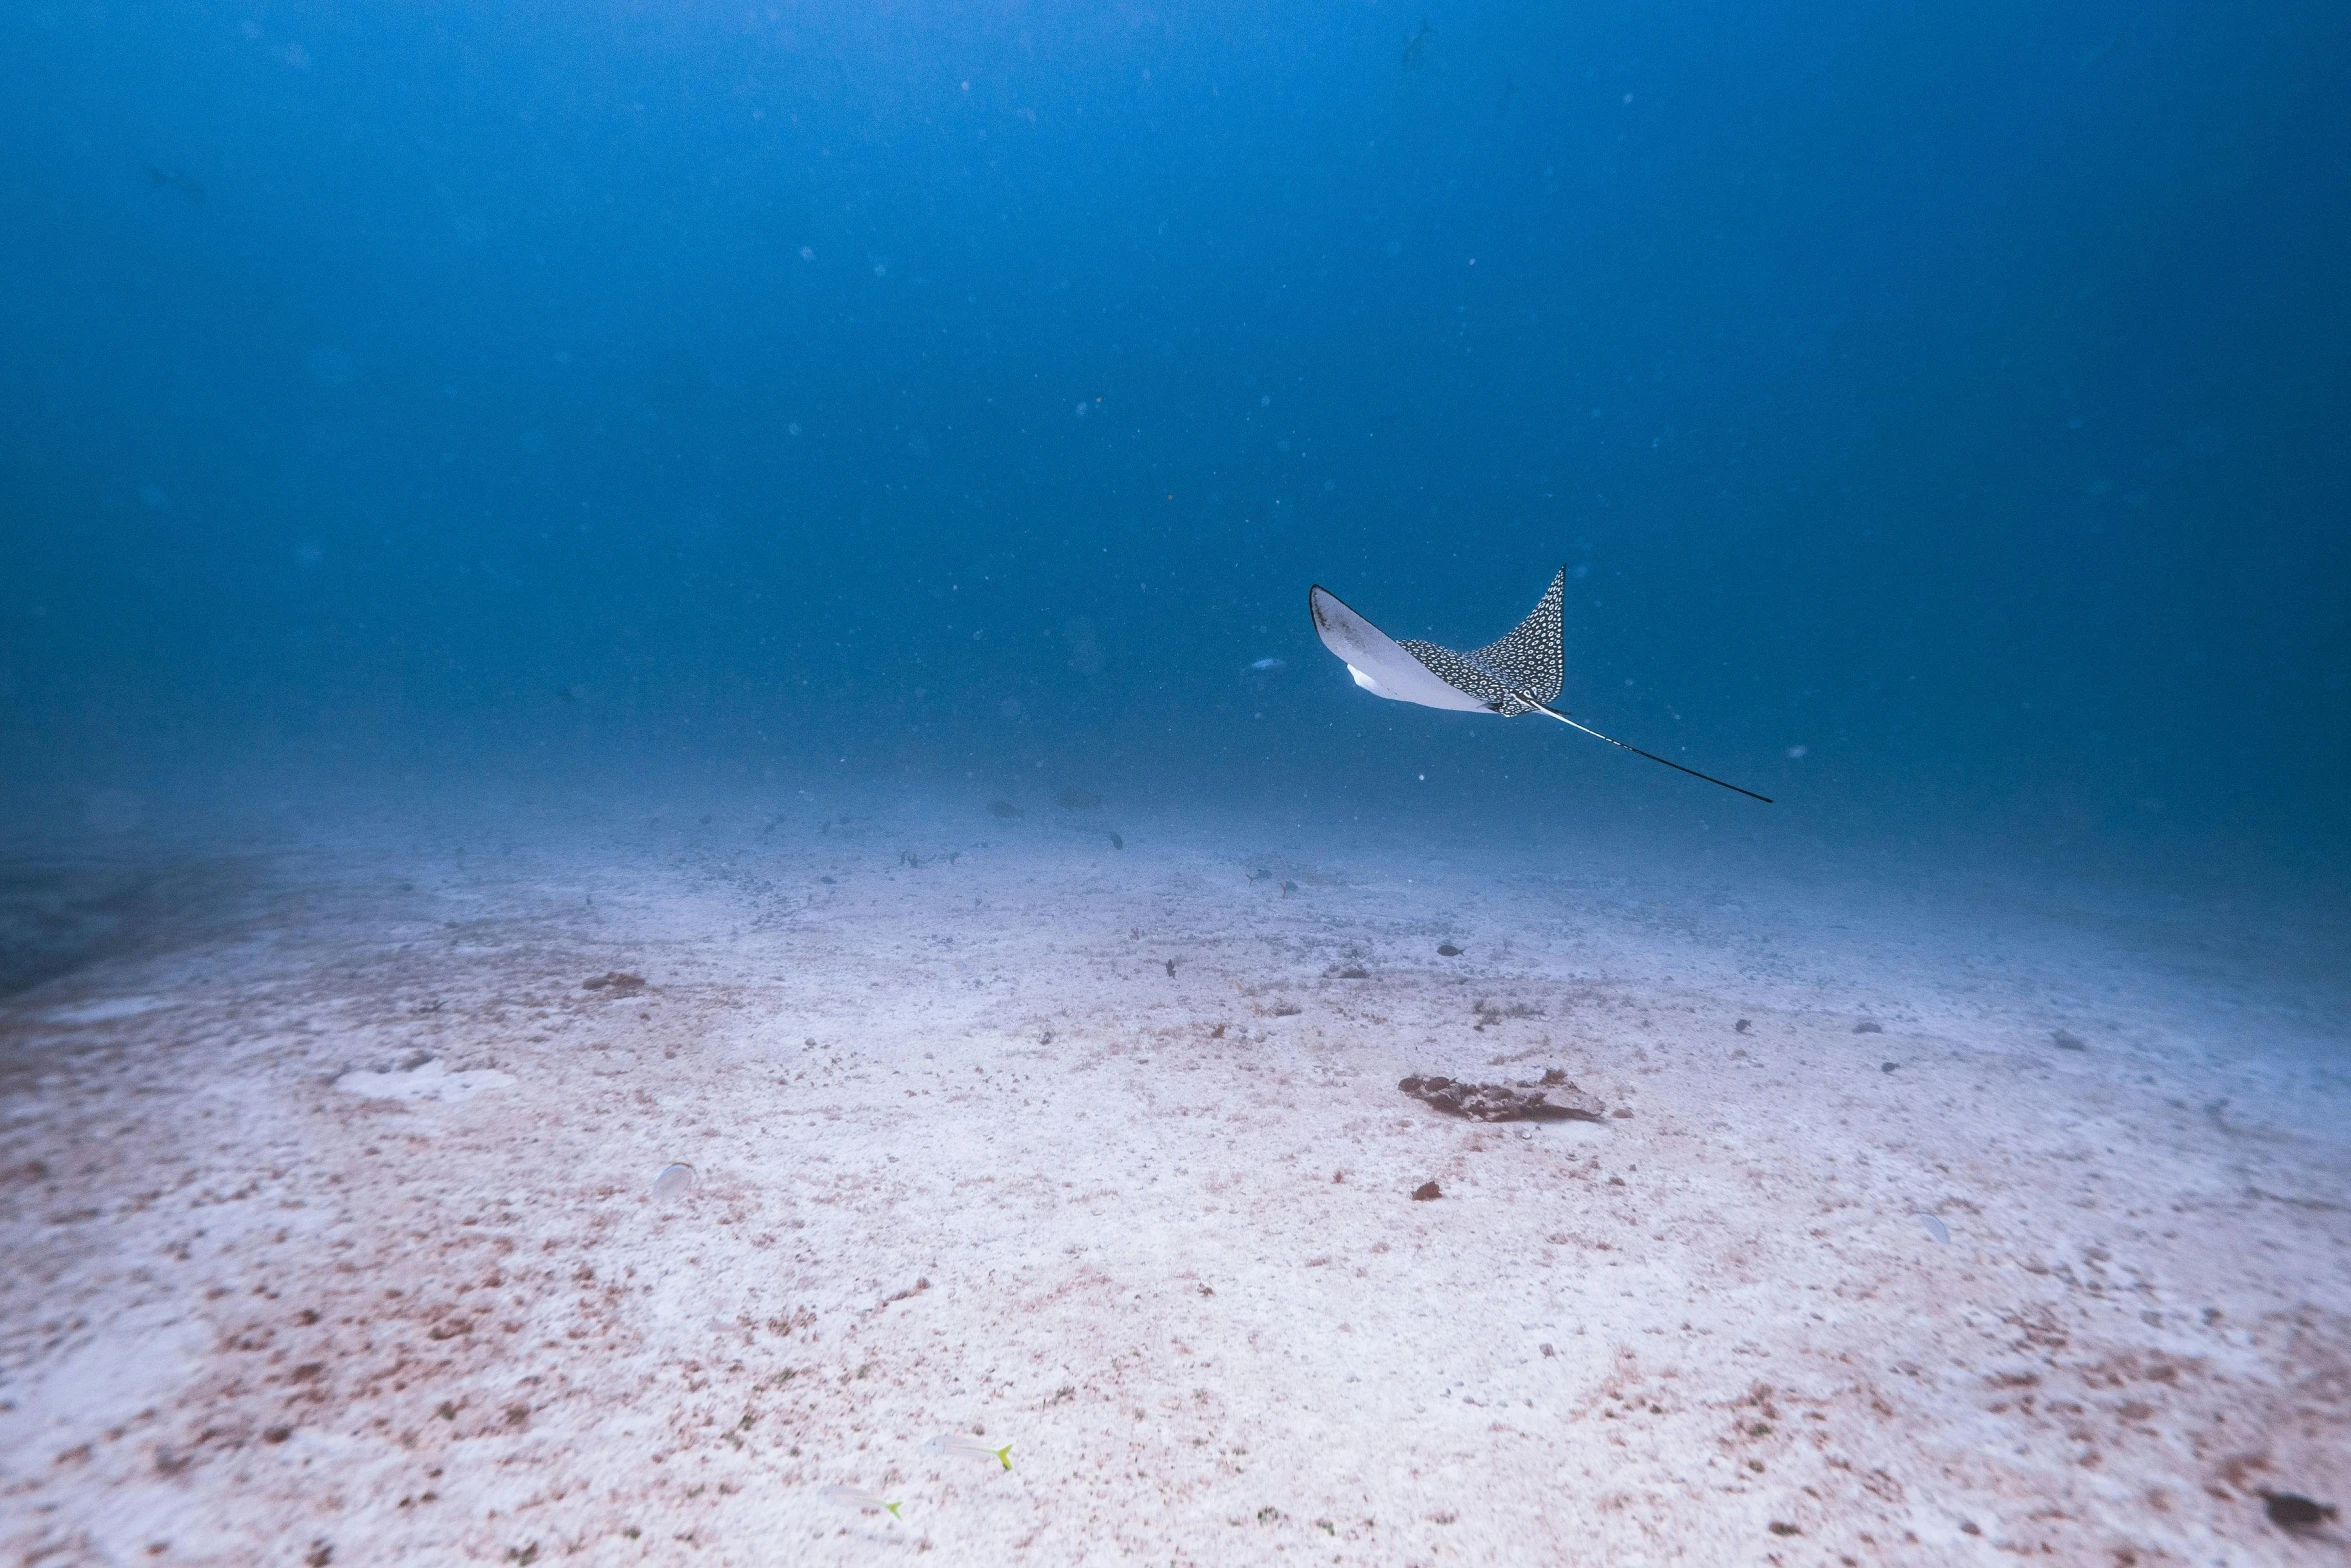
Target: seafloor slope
329	1234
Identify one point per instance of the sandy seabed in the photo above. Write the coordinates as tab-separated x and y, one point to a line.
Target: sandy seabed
330	1233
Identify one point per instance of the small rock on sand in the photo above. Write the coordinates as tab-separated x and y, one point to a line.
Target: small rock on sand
1426	1192
2288	1510
2066	1041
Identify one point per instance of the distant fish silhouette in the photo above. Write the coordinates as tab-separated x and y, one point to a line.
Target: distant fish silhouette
1521	673
172	179
1268	666
1415	44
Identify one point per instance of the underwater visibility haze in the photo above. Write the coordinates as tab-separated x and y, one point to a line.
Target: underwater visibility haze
682	862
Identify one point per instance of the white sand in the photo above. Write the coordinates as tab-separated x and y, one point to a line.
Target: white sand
330	1237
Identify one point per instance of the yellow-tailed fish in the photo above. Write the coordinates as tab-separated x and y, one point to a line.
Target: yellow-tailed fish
860	1499
949	1443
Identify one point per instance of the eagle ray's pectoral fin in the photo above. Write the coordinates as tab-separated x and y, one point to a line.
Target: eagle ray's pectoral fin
1532	659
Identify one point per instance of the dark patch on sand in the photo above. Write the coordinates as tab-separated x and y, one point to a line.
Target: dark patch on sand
1524	1101
614	983
60	915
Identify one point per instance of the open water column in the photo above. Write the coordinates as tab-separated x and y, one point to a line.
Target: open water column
701	859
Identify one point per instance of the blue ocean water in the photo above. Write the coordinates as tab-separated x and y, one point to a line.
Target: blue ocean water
1940	413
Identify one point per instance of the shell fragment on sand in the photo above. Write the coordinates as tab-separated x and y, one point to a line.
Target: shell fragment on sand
675	1181
1935	1228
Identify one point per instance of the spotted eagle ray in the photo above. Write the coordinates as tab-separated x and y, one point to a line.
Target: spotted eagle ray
1520	674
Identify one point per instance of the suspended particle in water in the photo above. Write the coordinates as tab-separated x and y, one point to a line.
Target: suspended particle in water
675	1181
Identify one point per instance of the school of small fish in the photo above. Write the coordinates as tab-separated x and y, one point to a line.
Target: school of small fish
947	1443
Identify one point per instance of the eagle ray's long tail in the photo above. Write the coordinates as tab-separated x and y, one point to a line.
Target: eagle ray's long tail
1652	756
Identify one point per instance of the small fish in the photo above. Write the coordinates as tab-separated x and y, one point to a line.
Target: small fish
861	1500
1935	1228
1116	842
1448	950
172	179
1268	666
949	1443
2100	51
